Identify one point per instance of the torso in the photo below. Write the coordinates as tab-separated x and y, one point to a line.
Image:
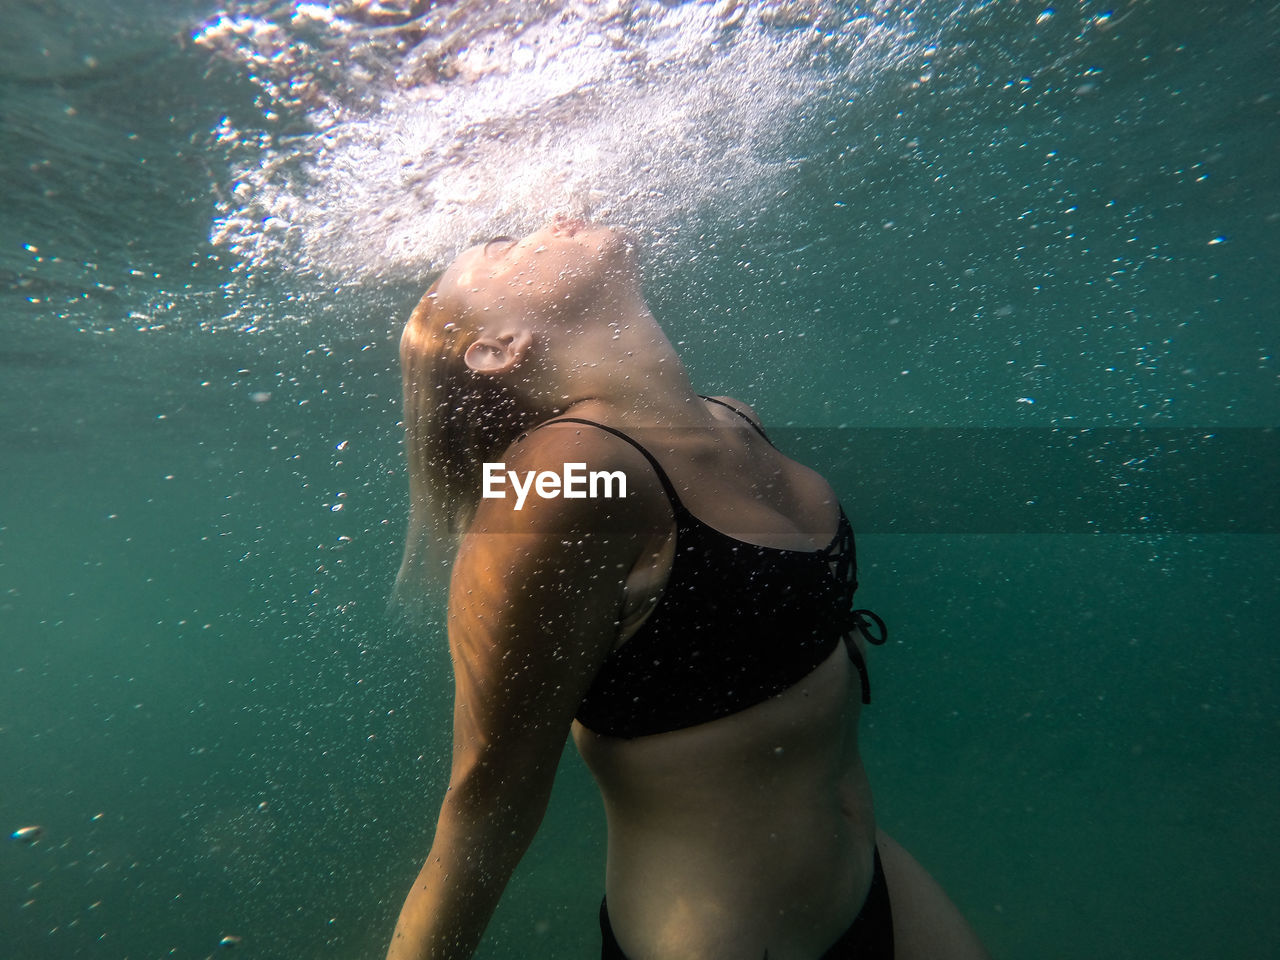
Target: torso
753	831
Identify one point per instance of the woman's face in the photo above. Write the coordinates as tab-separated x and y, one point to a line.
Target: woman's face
552	271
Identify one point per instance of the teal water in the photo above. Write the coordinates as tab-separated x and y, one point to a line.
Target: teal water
981	216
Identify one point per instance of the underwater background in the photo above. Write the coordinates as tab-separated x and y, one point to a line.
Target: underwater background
1006	272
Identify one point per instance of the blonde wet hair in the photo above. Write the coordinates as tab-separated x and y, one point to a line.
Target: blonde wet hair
454	421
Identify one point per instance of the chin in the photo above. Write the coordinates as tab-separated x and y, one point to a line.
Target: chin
613	243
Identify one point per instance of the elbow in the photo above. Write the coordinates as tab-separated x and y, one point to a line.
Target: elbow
488	796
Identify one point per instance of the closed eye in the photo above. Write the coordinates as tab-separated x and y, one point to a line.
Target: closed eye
488	244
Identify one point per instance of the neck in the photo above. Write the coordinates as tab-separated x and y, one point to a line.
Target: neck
619	365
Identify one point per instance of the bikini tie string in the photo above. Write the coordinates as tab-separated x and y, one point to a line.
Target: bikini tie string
870	626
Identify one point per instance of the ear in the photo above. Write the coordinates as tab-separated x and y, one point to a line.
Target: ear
498	354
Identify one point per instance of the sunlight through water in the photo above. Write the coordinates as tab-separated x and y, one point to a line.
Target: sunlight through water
422	128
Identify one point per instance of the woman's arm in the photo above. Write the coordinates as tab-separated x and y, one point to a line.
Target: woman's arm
535	600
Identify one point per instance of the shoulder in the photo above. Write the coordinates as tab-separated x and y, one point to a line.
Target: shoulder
742	408
570	477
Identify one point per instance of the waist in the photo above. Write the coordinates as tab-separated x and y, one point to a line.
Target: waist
765	813
732	888
777	828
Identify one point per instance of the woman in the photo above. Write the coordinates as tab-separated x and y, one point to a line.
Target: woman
698	629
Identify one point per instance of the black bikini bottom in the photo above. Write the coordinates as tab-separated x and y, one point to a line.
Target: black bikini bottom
869	937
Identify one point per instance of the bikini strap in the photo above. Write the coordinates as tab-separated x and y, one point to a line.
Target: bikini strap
758	429
667	485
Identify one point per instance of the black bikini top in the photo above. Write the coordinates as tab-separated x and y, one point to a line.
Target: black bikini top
737	623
